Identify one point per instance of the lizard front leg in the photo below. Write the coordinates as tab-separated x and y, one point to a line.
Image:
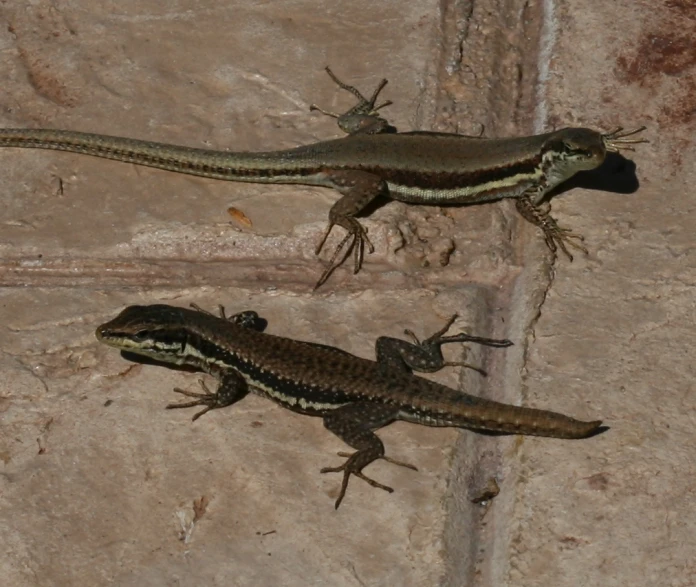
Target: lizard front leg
231	389
556	237
246	319
359	188
426	355
354	424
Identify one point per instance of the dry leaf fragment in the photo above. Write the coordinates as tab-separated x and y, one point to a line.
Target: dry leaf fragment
239	216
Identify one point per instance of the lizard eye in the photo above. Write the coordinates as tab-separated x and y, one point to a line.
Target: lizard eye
141	335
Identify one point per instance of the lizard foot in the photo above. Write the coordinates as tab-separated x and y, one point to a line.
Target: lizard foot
354	241
432	359
354	466
208	399
555	236
361	118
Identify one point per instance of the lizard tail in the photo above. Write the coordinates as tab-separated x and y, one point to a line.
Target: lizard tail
500	418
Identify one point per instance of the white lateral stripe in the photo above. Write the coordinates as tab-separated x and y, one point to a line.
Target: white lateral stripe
425	194
274	394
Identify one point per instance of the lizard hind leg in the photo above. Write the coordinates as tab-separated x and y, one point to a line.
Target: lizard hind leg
354	424
426	355
358	189
355	239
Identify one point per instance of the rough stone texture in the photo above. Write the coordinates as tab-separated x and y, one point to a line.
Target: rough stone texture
616	328
98	481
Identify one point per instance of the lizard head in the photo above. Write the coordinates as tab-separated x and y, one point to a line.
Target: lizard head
570	150
154	331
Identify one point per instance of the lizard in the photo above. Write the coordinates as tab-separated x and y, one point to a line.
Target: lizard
373	160
354	396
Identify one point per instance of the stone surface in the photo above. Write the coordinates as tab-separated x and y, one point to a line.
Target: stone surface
99	483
